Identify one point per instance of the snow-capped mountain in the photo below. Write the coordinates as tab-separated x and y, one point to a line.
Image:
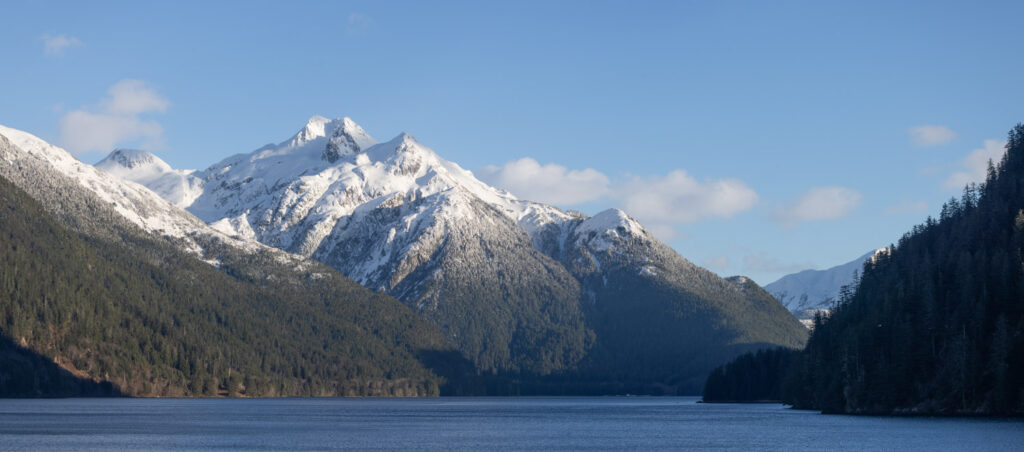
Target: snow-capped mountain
311	193
91	200
180	187
808	291
518	286
397	218
116	271
46	171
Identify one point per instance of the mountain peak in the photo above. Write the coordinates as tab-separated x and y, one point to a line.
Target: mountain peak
342	132
611	219
132	158
403	144
315	128
607	228
347	138
180	187
738	280
349	124
402	141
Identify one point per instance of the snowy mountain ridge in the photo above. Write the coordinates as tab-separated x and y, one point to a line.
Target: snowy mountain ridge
301	194
808	291
179	187
135	203
34	165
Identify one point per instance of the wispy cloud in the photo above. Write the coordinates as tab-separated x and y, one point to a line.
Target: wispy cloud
550	183
931	135
974	167
821	203
116	119
132	97
54	45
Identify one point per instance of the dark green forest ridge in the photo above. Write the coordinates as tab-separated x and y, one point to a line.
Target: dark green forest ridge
935	326
164	324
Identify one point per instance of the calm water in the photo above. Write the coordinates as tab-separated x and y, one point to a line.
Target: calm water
610	423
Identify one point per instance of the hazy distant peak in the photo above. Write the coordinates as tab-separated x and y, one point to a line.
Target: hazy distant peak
132	158
180	187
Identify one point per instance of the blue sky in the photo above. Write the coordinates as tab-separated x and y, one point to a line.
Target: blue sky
756	138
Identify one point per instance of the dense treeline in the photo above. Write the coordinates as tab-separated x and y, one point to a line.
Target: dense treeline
751	377
936	324
146	319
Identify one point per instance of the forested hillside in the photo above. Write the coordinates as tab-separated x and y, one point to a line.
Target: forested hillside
935	325
150	320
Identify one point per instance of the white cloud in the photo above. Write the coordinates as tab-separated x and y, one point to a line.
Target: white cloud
975	165
907	208
678	198
551	183
130	97
55	45
715	262
821	203
116	119
358	24
661	203
931	135
83	131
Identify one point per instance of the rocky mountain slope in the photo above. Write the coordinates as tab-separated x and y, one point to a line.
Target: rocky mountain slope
518	286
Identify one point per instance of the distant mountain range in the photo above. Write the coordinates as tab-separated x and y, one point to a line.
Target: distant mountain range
809	291
555	300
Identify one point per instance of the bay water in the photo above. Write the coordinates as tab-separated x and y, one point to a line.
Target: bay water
529	423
